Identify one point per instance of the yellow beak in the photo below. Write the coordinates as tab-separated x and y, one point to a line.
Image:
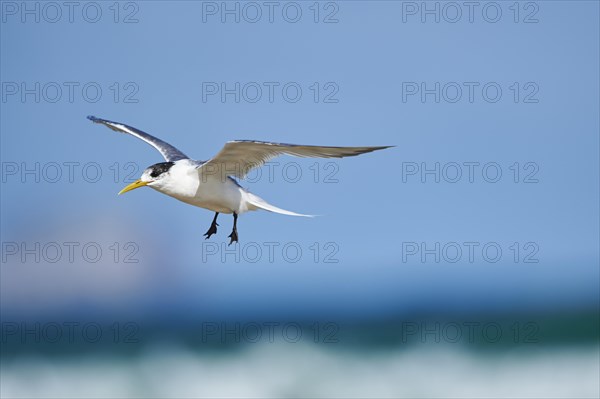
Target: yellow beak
133	186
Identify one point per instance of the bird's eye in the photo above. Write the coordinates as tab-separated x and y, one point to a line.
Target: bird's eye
159	169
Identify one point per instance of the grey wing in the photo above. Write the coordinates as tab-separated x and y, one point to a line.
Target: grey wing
169	152
237	158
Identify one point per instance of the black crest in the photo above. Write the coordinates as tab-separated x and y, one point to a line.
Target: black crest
160	168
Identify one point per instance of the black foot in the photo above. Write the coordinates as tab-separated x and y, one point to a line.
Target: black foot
233	236
212	230
213	227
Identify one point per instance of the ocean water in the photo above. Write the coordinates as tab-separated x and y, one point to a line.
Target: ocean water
283	369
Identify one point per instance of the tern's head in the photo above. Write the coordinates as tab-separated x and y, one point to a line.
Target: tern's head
154	176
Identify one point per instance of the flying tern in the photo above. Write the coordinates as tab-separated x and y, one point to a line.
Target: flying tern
211	184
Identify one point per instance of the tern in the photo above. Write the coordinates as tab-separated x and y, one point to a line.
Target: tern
211	184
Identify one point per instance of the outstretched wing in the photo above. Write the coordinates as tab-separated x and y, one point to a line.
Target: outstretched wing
170	153
238	157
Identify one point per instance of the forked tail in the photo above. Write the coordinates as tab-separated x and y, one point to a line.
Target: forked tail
257	202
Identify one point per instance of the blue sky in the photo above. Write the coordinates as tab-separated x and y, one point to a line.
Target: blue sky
154	73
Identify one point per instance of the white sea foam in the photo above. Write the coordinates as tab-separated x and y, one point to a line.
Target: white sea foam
292	370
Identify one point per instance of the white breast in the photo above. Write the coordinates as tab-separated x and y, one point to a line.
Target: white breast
211	192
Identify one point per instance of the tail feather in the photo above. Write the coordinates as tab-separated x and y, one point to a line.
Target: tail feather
260	203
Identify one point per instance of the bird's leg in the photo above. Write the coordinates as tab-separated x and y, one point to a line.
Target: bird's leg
234	235
213	227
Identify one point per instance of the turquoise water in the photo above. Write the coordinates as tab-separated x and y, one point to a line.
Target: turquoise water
283	369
